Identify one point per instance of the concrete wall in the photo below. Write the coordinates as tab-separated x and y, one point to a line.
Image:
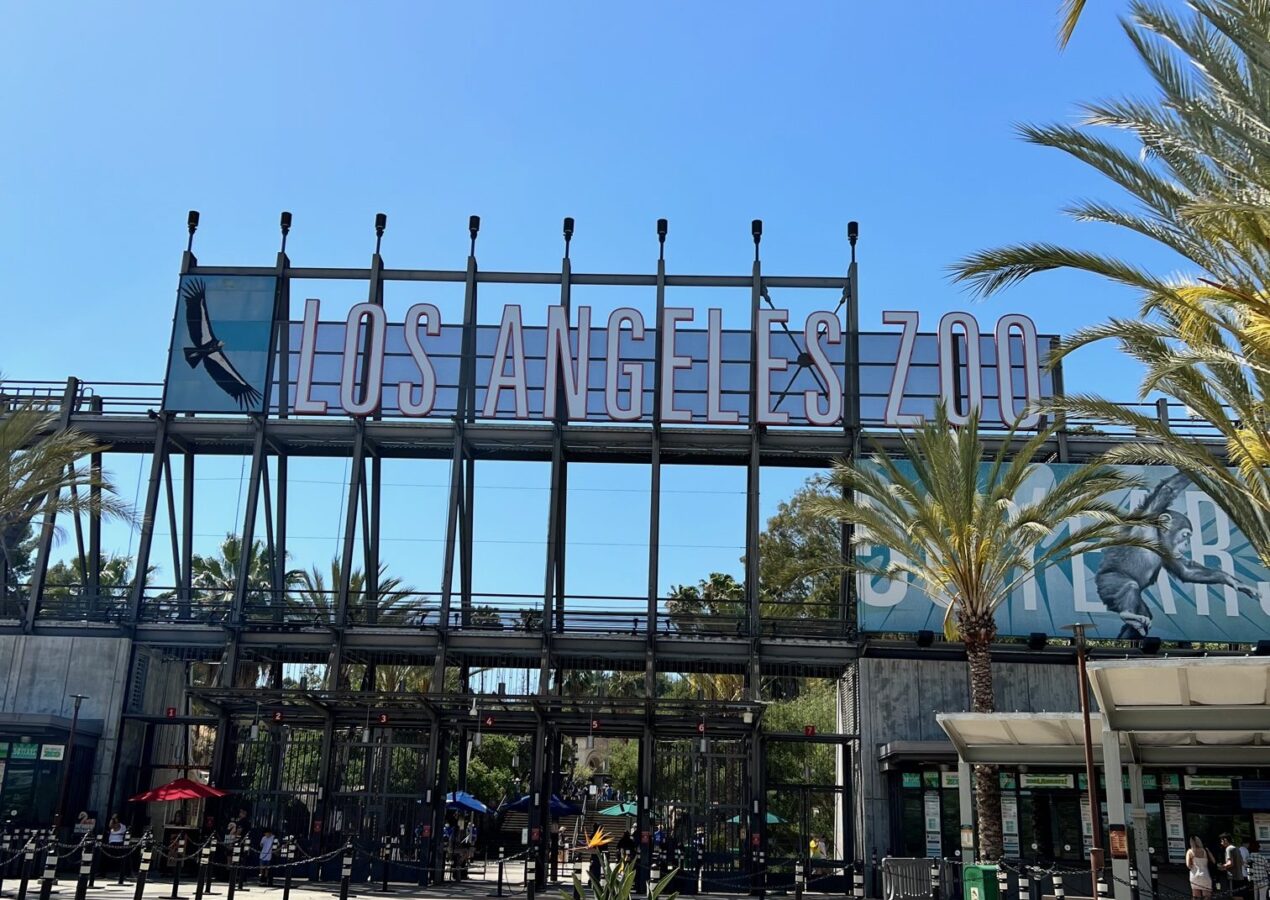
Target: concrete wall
38	675
898	699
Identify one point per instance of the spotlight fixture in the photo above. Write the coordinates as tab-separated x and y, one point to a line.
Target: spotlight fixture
925	638
1037	640
1149	645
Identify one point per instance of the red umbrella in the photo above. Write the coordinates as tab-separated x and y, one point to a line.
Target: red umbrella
181	789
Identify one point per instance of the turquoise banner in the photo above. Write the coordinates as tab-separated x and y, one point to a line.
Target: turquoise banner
1212	587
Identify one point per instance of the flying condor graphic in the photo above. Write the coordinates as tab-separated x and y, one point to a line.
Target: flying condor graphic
210	351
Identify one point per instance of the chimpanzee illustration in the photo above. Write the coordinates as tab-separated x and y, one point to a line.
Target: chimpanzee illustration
1126	572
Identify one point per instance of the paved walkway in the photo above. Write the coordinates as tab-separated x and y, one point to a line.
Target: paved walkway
162	890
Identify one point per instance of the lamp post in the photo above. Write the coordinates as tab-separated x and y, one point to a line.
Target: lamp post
66	763
1091	783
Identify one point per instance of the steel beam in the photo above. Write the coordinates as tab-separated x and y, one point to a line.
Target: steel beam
466	410
246	548
356	473
48	525
142	565
185	586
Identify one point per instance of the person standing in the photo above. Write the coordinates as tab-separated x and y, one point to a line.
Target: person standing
1233	866
1258	870
1199	863
267	844
116	831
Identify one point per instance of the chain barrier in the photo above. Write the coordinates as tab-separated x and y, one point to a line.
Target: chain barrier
1036	872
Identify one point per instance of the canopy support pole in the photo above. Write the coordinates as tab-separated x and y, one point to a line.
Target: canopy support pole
1141	837
965	801
1113	773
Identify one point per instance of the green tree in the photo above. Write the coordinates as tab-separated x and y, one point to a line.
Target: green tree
214	578
959	530
317	597
1198	170
42	477
67	581
800	556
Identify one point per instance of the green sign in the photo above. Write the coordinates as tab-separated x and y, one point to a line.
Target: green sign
1209	783
1149	783
53	752
950	779
4	749
930	779
1007	780
911	780
1030	780
24	751
1171	781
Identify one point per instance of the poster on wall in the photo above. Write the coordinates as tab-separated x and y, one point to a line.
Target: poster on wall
1010	824
1173	829
934	846
1260	824
1211	588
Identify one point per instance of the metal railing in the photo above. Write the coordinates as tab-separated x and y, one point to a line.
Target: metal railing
125	398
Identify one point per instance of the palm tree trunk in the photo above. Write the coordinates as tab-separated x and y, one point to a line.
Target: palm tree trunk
978	633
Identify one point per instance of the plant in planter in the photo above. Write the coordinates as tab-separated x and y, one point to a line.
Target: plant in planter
616	880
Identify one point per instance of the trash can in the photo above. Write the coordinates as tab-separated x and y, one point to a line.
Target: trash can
980	882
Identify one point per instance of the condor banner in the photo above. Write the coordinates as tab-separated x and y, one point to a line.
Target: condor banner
1211	588
604	363
221	339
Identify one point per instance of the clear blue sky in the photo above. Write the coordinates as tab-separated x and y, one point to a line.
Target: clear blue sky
119	119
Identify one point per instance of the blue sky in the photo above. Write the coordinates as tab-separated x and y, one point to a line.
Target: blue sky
119	119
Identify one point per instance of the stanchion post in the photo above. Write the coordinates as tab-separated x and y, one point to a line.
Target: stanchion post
1102	888
85	869
143	871
177	859
1155	881
346	871
1003	882
122	862
531	875
798	880
50	871
1059	892
28	863
857	881
1133	881
934	879
288	855
234	856
1024	885
92	874
204	863
498	892
876	873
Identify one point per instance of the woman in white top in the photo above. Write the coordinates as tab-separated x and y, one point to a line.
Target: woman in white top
1198	860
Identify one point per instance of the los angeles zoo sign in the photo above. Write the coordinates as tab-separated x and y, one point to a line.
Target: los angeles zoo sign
591	366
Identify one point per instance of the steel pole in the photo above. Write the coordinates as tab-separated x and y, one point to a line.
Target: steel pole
66	765
1091	783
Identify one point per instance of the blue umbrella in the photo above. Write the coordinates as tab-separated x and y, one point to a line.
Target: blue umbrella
558	807
464	800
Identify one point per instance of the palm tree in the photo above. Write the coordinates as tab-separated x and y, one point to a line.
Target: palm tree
962	532
316	597
42	477
214	579
1201	176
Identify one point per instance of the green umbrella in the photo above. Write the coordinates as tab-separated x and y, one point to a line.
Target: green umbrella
772	819
620	809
